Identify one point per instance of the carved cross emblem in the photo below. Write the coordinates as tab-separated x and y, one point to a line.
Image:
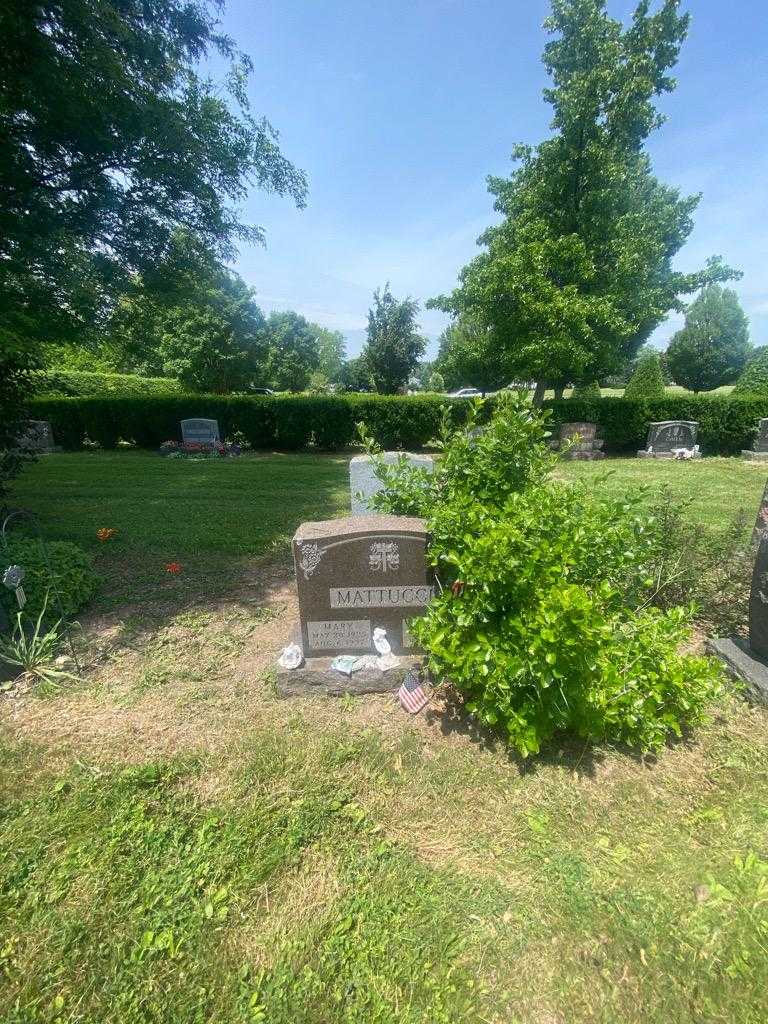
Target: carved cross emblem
384	555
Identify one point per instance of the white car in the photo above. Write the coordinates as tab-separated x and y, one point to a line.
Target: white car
466	393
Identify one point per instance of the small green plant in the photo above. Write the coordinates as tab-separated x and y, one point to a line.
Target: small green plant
648	379
66	566
34	652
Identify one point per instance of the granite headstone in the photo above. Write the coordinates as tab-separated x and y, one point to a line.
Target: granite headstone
586	448
748	659
759	450
38	437
199	431
671	439
363	482
358	573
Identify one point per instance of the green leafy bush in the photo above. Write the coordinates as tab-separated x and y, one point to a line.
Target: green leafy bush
754	379
81	383
544	619
72	569
648	379
587	392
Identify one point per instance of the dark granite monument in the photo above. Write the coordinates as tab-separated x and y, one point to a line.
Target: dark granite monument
199	431
38	437
748	659
353	576
586	446
759	450
672	439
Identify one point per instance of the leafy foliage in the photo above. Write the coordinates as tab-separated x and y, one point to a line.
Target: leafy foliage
32	652
436	382
544	619
713	347
469	356
587	392
394	346
578	273
293	352
80	383
754	379
71	573
647	381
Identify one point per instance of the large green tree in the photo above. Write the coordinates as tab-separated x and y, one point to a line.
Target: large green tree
190	318
293	351
469	355
579	271
713	347
331	350
110	140
393	346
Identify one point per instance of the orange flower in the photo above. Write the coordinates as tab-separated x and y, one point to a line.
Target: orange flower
105	533
458	588
174	568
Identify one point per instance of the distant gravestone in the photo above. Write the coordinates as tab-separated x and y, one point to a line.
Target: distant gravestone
759	450
38	437
587	448
199	431
353	576
672	439
748	660
363	482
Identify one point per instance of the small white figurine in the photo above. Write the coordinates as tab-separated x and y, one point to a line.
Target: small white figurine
380	641
291	657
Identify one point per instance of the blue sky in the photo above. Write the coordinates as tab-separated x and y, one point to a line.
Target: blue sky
398	111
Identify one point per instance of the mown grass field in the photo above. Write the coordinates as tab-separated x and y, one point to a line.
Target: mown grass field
179	845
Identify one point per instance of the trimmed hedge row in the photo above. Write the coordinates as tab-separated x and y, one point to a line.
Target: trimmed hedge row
80	383
287	423
291	423
726	424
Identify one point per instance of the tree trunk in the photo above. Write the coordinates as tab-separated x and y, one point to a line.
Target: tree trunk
559	392
538	394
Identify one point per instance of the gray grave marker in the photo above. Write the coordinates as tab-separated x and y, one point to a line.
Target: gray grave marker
672	439
759	450
199	431
363	482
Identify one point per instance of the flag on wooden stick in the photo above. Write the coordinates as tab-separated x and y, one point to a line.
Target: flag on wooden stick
412	695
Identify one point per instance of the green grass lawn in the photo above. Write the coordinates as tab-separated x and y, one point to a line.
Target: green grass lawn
179	846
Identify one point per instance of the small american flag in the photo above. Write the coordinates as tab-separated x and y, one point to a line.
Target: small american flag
411	694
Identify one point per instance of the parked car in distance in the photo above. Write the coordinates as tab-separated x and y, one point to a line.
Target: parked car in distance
466	393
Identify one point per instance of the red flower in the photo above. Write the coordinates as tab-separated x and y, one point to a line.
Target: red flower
174	568
105	533
458	588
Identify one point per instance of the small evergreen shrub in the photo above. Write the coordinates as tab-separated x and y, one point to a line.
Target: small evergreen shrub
72	569
648	379
544	619
587	392
754	379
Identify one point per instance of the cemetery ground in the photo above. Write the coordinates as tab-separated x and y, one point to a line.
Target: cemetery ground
178	844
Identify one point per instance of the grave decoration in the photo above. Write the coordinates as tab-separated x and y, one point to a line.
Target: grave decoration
579	442
363	482
360	580
759	450
747	659
38	437
199	440
672	439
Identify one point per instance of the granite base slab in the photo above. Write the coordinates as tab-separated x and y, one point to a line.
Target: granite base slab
751	456
317	676
643	454
735	653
